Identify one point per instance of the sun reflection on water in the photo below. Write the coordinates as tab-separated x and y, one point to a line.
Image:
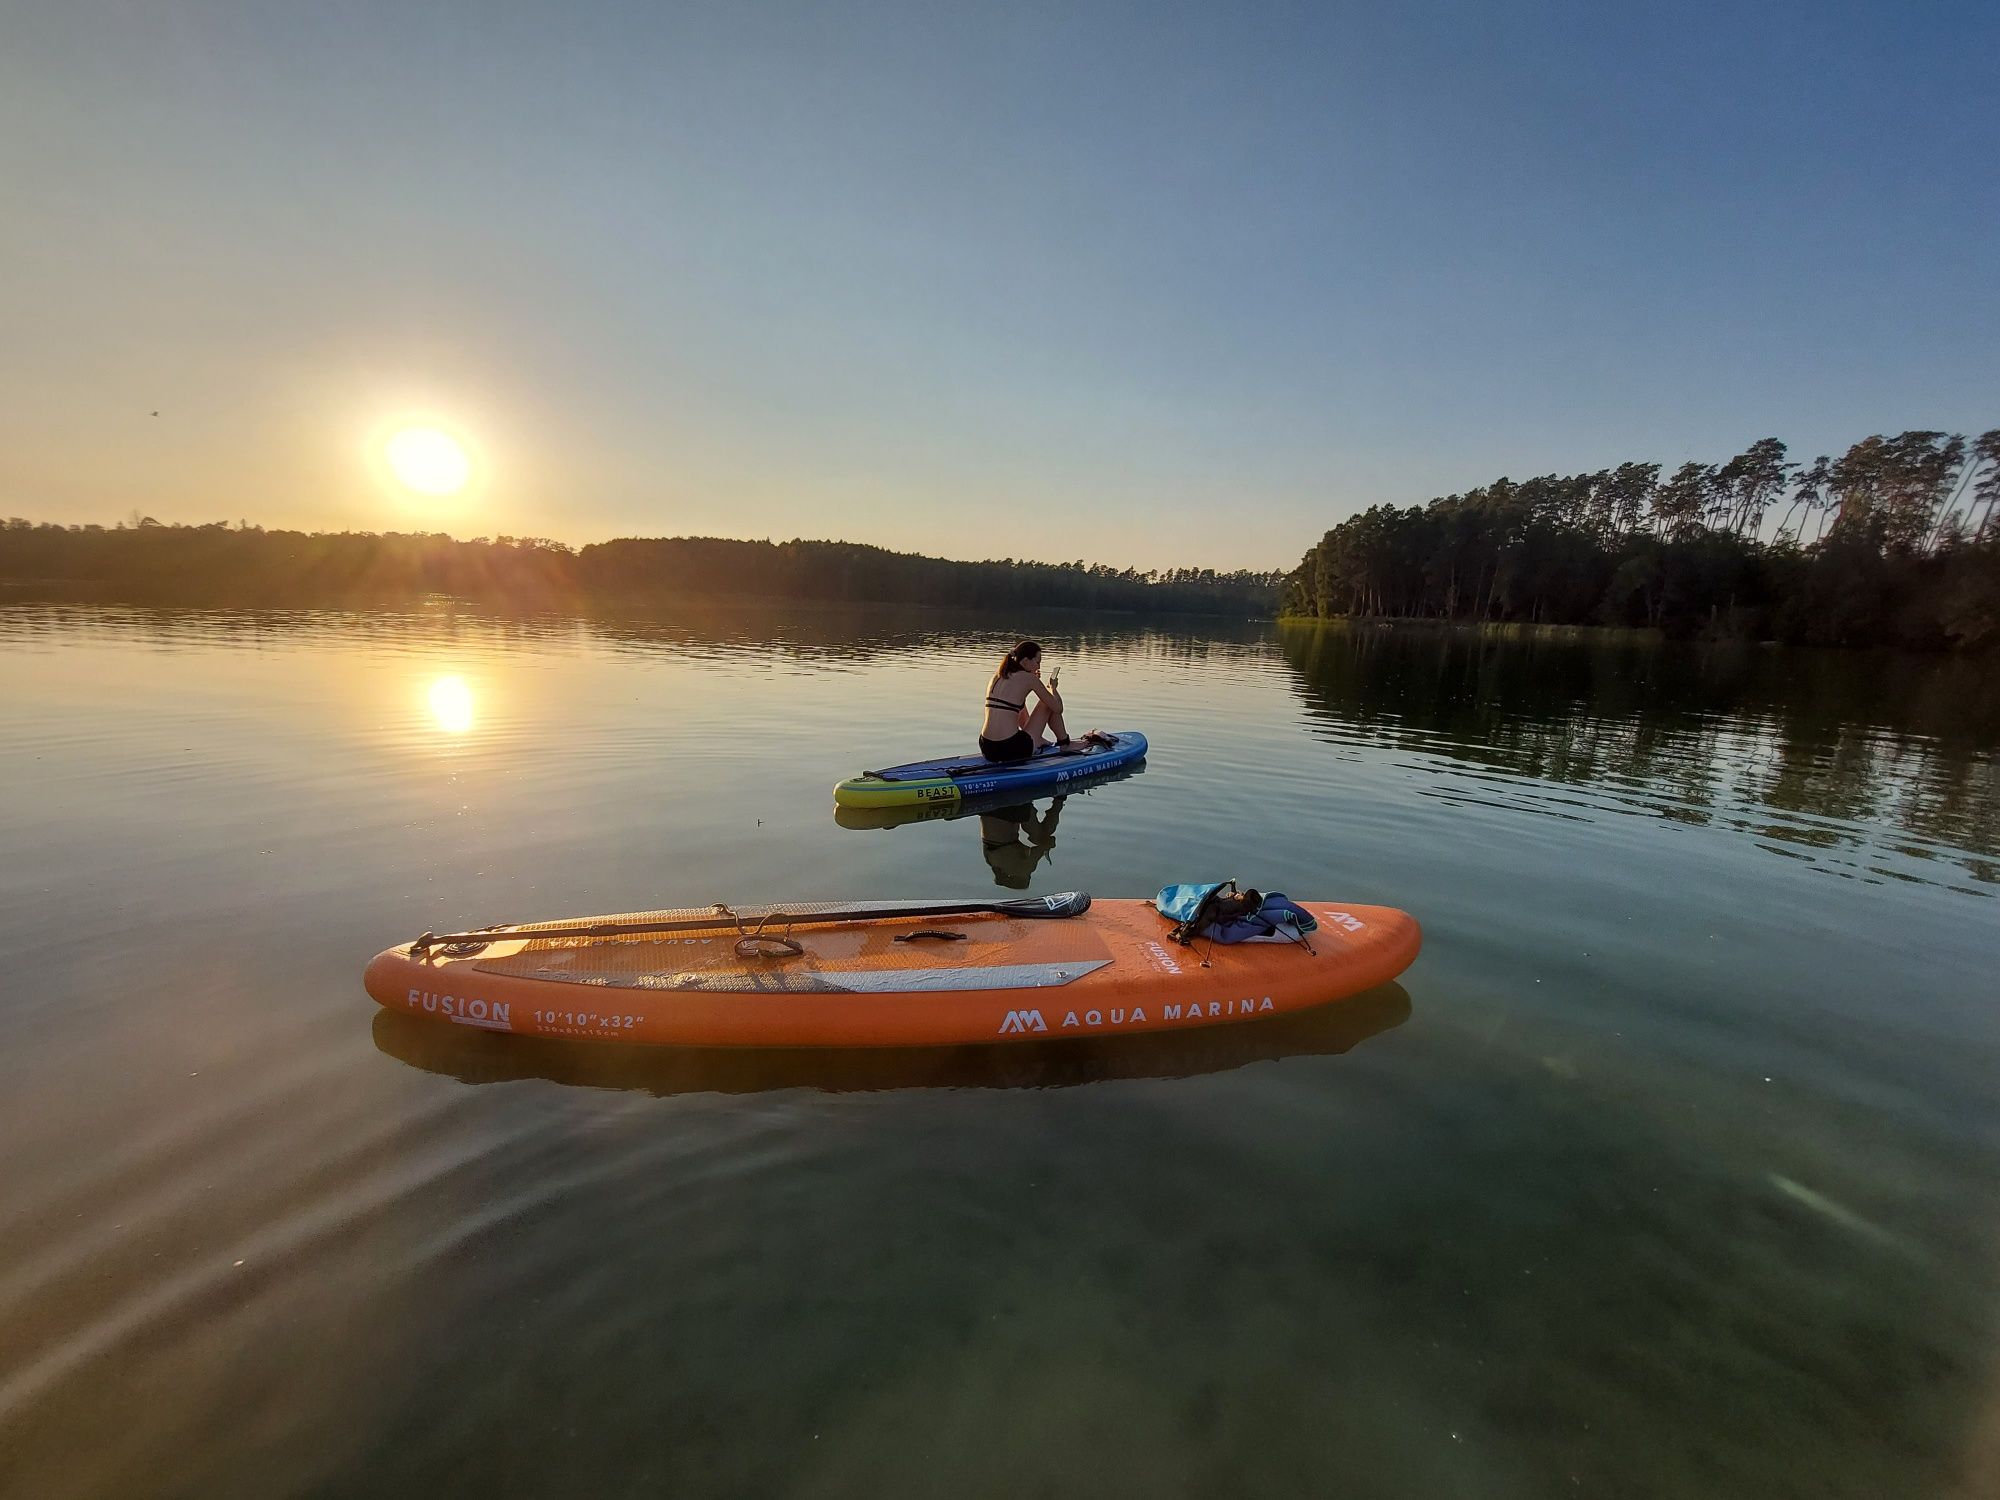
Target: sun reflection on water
452	704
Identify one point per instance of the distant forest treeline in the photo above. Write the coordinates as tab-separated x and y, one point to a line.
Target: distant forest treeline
1893	543
144	560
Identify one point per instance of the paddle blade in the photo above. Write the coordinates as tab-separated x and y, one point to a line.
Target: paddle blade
1062	904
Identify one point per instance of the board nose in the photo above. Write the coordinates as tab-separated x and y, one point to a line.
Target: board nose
387	976
1386	933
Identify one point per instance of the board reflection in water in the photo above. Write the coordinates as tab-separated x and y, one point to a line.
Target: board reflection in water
1016	836
481	1058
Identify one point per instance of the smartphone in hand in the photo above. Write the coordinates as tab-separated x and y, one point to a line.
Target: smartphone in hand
1054	678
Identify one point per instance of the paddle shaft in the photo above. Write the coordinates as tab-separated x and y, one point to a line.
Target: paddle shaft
1035	908
1083	748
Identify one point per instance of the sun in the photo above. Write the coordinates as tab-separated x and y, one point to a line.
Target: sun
428	460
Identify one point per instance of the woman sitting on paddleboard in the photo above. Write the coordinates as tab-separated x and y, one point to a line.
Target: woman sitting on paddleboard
1013	731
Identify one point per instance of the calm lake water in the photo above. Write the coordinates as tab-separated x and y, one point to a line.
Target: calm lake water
1672	1168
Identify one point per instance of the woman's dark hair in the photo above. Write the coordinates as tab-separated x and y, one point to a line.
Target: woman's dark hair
1016	660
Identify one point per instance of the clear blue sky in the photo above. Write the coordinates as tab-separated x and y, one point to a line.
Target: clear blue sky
1141	283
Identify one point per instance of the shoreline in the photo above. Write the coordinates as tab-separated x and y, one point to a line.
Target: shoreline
75	591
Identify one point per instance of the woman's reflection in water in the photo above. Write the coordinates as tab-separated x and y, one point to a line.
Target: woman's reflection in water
1016	840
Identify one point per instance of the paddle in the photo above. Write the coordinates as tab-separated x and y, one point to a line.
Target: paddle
1063	904
1078	748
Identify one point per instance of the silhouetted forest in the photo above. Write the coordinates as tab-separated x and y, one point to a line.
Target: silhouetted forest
146	561
1893	543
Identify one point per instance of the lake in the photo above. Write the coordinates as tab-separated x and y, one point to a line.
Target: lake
1671	1168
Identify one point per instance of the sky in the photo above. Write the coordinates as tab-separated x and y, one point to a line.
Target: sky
1160	285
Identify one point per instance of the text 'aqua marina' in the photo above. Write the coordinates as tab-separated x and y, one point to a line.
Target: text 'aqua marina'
1018	1022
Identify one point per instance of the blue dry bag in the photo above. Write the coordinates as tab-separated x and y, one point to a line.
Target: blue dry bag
1225	913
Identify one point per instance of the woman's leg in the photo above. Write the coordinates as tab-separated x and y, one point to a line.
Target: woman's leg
1041	717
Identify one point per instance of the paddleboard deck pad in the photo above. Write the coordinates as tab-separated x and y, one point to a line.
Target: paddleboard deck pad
902	976
958	777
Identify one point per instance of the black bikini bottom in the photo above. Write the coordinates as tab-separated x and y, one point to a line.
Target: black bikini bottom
1019	745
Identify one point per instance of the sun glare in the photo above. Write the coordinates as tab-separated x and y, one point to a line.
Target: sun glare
428	460
451	705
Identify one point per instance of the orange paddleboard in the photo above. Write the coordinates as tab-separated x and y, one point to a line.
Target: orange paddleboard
829	976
